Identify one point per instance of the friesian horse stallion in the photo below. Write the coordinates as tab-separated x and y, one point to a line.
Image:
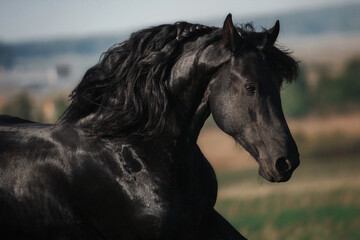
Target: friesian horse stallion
123	163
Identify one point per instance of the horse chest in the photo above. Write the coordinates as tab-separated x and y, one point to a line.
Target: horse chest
199	183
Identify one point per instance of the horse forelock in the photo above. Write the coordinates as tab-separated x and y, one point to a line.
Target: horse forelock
278	58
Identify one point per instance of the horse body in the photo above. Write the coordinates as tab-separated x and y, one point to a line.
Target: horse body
123	162
98	189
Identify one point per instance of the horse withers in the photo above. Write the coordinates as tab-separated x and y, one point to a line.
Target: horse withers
123	163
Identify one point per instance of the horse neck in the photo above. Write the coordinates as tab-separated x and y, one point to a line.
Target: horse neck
189	85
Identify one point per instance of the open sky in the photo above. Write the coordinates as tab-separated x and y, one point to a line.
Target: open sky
22	20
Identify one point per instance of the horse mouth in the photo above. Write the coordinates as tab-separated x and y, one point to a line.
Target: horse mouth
276	174
274	178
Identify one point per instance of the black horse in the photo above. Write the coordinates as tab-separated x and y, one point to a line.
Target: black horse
122	163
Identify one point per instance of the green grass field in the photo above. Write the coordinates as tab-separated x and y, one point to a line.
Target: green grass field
321	201
330	215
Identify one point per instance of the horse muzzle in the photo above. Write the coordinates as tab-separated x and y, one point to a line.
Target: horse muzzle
279	170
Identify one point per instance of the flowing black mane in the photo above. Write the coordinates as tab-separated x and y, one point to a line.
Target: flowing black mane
125	94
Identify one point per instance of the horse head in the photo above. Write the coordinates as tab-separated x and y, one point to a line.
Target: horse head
245	98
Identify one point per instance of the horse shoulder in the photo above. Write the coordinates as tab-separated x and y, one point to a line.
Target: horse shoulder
116	190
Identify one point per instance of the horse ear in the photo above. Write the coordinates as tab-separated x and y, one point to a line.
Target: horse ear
231	37
273	33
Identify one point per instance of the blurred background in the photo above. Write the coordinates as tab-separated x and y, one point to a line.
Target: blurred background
46	47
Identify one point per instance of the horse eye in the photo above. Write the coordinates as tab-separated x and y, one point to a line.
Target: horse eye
250	88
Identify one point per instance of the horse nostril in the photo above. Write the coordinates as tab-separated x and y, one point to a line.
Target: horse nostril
283	165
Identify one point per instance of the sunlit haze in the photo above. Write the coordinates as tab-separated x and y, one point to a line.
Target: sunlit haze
31	20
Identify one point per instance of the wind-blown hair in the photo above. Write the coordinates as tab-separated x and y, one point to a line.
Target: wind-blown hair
125	94
278	58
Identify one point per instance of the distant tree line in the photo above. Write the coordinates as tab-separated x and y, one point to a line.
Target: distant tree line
10	52
23	105
331	94
7	56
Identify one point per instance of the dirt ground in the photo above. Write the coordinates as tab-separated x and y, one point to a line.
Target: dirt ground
311	126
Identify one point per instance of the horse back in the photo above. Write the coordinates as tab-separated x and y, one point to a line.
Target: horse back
20	138
34	178
8	120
